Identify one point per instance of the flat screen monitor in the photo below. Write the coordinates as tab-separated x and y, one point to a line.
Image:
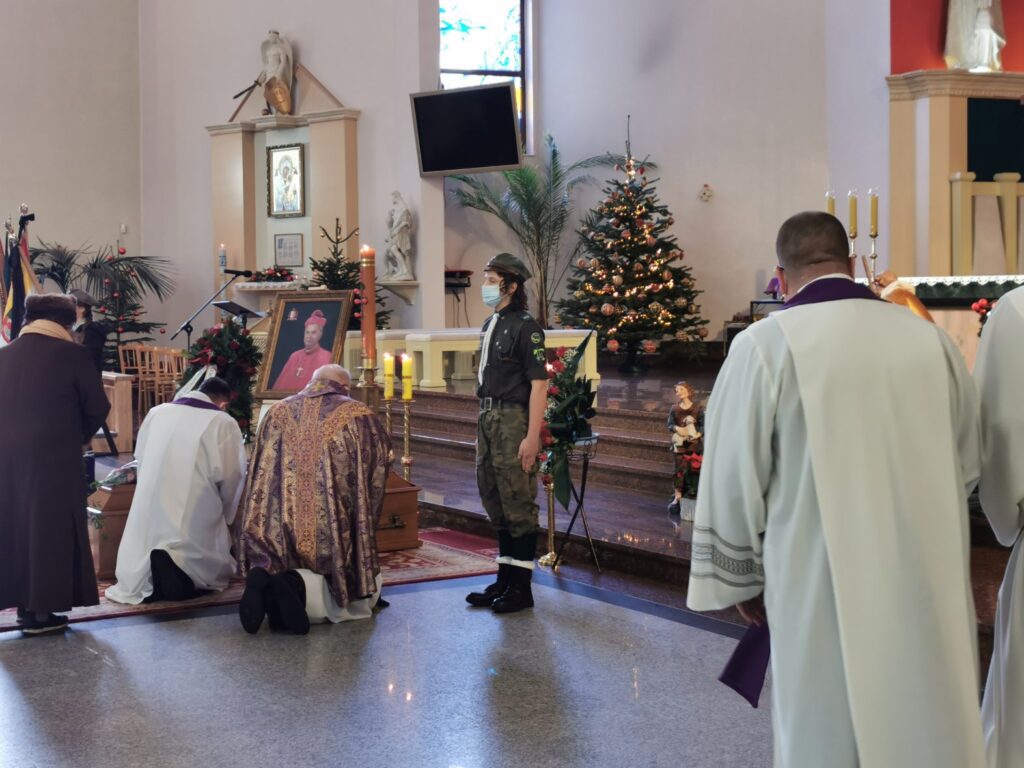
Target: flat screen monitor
467	130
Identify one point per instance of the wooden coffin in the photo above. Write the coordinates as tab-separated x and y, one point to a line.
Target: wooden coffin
399	526
108	513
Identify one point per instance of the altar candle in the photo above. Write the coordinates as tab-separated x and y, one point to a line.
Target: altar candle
223	254
389	376
830	202
873	200
852	224
407	377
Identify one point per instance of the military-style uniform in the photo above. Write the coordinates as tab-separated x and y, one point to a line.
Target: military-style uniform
512	357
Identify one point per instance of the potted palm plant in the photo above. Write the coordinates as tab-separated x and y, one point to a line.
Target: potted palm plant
535	203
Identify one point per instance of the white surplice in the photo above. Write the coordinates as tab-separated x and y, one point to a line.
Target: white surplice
191	472
999	373
840	439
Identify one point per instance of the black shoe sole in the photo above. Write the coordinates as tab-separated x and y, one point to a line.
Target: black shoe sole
252	607
291	607
33	630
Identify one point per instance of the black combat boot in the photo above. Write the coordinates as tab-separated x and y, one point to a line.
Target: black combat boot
286	606
519	594
492	591
253	606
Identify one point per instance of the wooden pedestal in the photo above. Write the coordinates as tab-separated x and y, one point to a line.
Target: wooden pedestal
108	513
399	526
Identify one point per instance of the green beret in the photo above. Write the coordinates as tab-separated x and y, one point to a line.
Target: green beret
506	262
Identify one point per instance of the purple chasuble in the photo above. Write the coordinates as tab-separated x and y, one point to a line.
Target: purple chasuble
195	402
746	669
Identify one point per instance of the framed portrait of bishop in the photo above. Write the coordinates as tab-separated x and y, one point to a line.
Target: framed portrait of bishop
307	331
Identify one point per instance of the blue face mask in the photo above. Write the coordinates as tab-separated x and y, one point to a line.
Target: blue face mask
491	295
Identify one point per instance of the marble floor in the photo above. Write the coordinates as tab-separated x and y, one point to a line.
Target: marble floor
588	677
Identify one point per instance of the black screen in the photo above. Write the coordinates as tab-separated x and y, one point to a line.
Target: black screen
466	129
995	137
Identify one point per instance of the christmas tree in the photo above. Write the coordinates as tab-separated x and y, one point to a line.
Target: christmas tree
336	273
629	285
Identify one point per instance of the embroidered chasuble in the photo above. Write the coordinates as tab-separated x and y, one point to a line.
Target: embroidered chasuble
841	437
999	372
315	490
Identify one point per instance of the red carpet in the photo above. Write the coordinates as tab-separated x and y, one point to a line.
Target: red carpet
444	555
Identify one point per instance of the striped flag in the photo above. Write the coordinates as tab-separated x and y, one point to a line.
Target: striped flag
19	281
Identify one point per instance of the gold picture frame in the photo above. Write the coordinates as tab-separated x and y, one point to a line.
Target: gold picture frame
286	181
289	361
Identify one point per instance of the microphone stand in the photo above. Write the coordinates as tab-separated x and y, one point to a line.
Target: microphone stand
187	325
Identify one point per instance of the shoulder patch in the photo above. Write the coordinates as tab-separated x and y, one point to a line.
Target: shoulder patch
540	355
535	338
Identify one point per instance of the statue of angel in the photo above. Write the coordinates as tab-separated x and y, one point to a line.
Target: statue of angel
398	256
278	69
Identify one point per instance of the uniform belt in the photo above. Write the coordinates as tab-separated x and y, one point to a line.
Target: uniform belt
494	404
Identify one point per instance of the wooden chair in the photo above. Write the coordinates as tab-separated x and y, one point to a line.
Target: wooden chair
149	376
171	366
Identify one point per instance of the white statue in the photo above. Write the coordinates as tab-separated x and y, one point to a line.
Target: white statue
277	72
398	256
975	35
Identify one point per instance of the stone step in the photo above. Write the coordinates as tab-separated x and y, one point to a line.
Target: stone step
605	470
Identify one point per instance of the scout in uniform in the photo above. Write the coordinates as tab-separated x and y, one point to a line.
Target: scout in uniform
512	387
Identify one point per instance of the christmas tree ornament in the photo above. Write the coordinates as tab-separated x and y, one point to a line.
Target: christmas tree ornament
681	302
581	263
649	346
612	346
607	310
593	308
681	336
595	264
667	275
617	279
702	332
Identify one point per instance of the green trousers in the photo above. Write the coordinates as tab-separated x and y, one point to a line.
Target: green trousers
508	494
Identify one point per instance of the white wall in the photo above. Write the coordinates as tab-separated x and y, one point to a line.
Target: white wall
857	42
729	94
69	137
196	54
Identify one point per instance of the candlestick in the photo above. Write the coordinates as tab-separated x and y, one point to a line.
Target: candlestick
830	202
387	416
873	204
406	438
550	559
407	371
389	376
852	223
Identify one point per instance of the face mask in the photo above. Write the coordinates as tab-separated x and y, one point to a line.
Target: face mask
491	295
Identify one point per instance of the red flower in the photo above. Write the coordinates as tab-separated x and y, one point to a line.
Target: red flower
243	423
221	360
245	331
553	391
558	366
234	345
560	352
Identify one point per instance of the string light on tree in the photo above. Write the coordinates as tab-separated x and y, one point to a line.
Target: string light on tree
631	286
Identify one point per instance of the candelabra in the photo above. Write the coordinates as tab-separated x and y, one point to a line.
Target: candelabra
406	438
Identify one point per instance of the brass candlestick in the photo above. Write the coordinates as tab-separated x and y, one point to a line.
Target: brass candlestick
548	560
873	256
406	435
387	416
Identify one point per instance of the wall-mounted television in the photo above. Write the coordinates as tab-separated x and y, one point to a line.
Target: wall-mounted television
467	130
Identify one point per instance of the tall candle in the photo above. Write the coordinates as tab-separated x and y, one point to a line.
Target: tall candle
223	254
873	200
389	376
407	373
852	224
830	202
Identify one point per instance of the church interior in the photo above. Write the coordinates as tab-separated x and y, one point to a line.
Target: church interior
226	181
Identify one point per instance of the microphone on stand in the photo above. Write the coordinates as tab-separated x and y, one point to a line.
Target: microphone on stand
237	272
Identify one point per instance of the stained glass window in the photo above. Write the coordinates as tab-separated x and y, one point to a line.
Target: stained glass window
482	42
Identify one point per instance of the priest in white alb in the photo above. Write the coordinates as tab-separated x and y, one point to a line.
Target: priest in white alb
999	373
176	542
841	439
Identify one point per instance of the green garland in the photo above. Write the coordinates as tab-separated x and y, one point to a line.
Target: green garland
231	349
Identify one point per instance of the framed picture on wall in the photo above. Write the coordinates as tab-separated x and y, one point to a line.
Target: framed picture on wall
286	193
288	250
306	331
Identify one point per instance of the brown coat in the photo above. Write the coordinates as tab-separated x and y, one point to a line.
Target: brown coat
51	403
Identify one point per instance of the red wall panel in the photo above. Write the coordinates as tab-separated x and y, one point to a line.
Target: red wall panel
918	34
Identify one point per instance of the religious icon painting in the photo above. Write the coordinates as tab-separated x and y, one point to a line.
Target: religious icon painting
306	332
286	192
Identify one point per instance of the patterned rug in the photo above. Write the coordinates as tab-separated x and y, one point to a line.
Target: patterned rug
444	555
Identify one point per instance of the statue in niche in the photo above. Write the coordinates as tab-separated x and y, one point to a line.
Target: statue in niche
398	256
975	35
278	69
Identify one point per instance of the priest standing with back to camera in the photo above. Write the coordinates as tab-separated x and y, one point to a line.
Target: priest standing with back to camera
513	382
841	440
53	402
999	372
191	468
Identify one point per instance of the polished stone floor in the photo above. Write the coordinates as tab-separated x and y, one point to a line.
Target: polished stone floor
587	678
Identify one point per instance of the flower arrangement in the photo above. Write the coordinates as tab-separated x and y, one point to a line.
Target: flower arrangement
273	275
230	349
687	476
983	307
569	409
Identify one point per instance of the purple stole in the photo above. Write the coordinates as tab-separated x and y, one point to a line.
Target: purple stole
194	402
746	669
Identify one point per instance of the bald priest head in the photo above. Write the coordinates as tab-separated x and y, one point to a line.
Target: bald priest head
333	372
809	245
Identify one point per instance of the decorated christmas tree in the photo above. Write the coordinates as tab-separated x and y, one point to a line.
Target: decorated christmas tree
629	285
336	273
